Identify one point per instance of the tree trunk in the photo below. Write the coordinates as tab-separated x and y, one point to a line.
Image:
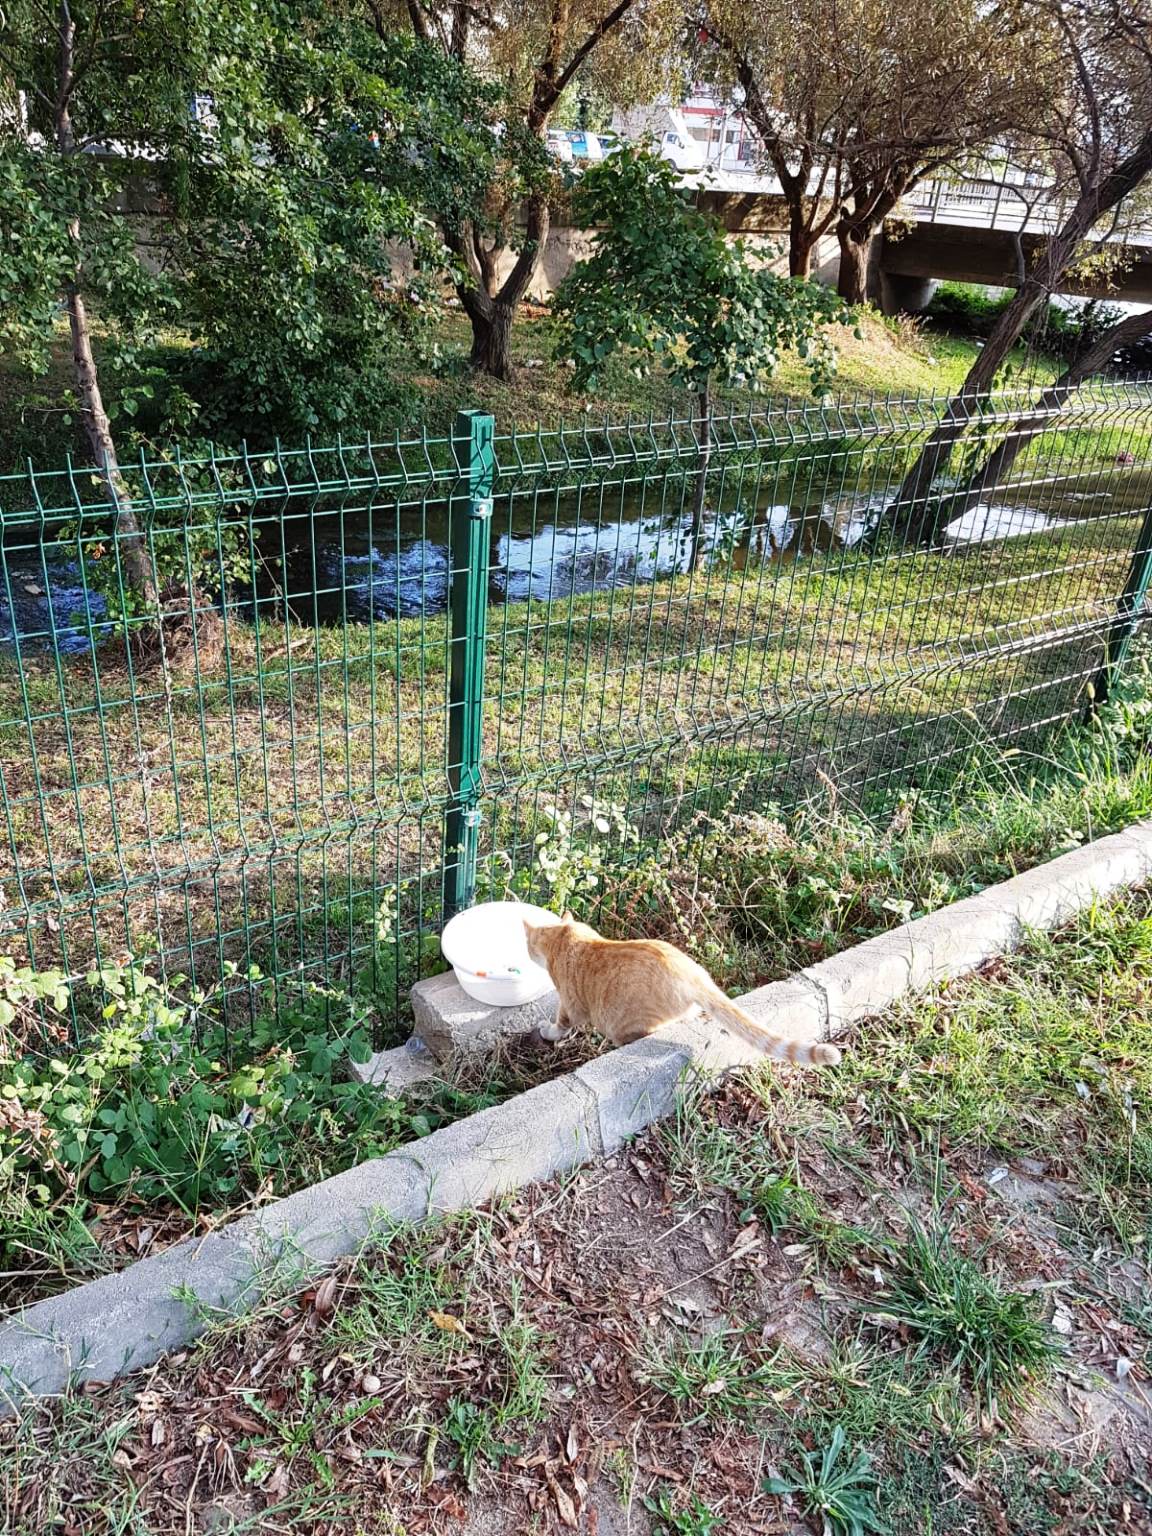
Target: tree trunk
911	510
801	244
703	430
1032	424
491	334
492	306
130	540
855	246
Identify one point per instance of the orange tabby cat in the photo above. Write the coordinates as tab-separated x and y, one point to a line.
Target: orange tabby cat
627	988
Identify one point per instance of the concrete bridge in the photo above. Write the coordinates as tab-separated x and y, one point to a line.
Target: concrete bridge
975	231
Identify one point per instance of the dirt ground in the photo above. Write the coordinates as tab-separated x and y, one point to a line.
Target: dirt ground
660	1352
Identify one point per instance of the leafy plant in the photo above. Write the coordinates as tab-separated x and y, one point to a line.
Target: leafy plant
572	852
473	1431
667	286
694	1519
150	1111
835	1485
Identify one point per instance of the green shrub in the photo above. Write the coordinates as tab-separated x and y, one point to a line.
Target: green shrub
150	1112
968	310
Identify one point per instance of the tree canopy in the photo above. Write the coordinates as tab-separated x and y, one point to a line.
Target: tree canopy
856	101
238	170
537	51
666	285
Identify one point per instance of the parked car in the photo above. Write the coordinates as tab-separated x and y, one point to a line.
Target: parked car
560	145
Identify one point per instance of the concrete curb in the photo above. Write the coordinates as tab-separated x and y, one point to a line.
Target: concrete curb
126	1320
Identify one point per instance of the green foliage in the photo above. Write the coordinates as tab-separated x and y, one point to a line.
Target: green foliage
666	285
262	229
694	1518
836	1485
969	310
149	1112
334	146
992	1337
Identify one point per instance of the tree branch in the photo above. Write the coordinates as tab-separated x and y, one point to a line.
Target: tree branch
558	84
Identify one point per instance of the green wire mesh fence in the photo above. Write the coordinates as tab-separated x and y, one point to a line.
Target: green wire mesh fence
370	674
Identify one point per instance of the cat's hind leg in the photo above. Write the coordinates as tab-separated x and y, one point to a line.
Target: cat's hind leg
560	1029
623	1026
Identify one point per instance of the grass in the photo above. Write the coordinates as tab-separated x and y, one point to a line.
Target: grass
948	1301
501	1364
1045	1056
706	1380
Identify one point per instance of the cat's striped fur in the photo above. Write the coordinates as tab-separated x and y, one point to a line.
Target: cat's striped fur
626	988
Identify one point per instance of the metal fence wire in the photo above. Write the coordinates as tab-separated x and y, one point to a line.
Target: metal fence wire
380	667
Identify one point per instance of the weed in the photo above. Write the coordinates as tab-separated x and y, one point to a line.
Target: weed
836	1485
692	1519
620	1466
708	1379
474	1433
992	1337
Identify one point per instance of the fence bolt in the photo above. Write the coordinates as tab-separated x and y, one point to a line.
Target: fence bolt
471	520
1129	611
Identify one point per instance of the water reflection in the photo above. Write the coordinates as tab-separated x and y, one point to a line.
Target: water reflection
983	524
336	567
44	602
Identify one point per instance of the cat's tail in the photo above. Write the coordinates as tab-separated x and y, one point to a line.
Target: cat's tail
804	1052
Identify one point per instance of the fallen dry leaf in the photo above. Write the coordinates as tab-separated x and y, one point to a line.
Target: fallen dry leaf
449	1324
324	1301
565	1508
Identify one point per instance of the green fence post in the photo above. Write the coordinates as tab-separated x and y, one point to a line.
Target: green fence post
472	442
1129	612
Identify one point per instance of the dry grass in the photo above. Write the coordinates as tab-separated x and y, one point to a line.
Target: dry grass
225	798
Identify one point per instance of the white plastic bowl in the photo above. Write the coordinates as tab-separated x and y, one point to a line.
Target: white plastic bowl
487	949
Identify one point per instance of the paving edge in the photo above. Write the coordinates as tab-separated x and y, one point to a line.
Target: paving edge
126	1320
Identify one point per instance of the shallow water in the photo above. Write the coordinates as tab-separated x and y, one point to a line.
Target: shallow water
331	567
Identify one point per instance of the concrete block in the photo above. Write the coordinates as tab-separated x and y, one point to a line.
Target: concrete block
863	981
393	1071
532	1137
794	1008
126	1320
636	1085
121	1321
1053	893
332	1218
452	1024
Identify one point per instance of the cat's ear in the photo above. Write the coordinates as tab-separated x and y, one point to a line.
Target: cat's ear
568	918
